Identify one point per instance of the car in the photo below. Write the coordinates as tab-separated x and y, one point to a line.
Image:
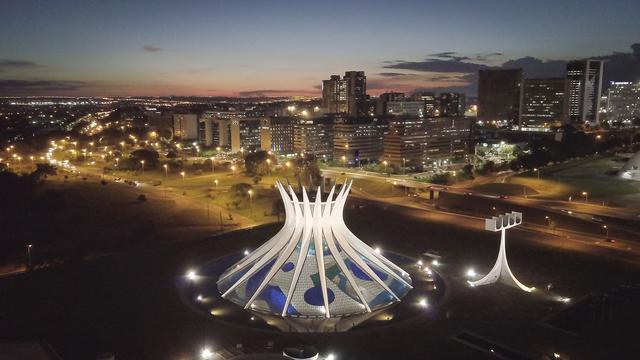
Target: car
503	196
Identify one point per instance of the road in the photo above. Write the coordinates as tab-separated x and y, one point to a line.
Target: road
625	222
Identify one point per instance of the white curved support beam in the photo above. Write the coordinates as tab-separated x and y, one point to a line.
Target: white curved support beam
500	270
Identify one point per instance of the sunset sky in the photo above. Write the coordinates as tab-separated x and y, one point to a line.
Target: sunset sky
273	48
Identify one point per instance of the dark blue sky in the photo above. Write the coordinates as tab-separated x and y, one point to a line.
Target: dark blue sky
209	47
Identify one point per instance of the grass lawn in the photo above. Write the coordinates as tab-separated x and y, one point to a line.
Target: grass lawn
596	176
511	189
203	189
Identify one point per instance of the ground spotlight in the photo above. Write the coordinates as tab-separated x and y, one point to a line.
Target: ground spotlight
191	275
206	353
471	273
423	303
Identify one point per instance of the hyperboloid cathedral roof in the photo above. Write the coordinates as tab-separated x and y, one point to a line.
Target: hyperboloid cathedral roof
288	276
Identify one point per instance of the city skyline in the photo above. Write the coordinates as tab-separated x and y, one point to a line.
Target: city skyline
255	49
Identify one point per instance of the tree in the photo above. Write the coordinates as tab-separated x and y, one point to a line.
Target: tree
150	157
256	163
241	189
307	169
443	178
467	172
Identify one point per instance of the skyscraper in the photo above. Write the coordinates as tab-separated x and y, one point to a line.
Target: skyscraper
356	83
542	104
347	95
334	95
584	88
499	96
451	104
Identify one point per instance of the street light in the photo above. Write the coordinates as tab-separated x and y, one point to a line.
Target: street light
606	229
233	169
385	165
212	166
182	173
29	255
216	182
250	192
142	163
344	160
537	171
548	220
166	170
586	196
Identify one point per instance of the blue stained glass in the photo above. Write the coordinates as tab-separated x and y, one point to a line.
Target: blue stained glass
288	267
313	296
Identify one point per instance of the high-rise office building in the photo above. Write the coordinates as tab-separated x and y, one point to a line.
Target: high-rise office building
584	88
430	102
451	104
314	136
623	101
347	95
405	142
185	126
542	104
385	98
245	133
334	95
499	96
356	139
447	137
276	134
356	83
406	108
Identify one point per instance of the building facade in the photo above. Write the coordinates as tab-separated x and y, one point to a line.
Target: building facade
334	95
356	83
499	96
185	126
451	104
584	88
347	95
405	142
314	136
542	104
446	137
623	102
276	134
357	139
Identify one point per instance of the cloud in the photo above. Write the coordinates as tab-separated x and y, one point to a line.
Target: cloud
6	64
622	66
449	66
448	55
394	74
275	93
151	49
537	68
35	87
435	65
